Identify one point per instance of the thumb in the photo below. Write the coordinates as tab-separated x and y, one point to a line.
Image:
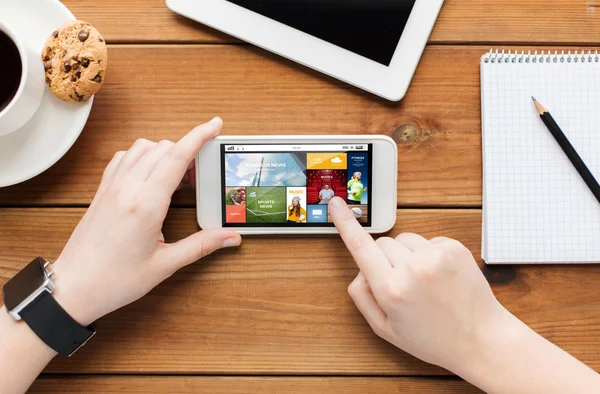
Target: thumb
197	246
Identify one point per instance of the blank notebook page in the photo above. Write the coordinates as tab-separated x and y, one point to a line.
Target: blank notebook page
537	208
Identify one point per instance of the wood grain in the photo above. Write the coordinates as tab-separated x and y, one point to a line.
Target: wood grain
273	308
245	385
461	21
161	92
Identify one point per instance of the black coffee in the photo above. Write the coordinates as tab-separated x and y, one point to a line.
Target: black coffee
10	70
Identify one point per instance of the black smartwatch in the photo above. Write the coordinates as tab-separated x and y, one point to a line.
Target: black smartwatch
28	296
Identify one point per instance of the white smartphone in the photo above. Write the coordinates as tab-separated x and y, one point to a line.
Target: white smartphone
283	184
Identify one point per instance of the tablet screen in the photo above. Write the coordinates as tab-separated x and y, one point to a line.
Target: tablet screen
285	185
370	28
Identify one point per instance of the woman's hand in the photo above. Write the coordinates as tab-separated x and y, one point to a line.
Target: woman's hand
430	299
118	253
427	297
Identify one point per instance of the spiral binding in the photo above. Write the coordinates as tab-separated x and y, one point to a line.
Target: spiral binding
543	57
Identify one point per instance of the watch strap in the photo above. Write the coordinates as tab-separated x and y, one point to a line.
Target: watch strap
55	326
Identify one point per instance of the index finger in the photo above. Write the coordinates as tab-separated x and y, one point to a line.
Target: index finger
371	260
173	166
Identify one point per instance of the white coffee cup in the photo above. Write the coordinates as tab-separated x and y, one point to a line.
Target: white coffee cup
28	97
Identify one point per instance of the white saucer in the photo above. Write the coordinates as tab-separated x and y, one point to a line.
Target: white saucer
56	125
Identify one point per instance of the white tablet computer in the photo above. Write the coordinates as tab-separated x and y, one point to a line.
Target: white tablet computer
372	44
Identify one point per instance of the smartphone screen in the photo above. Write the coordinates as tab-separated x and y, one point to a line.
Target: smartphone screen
290	185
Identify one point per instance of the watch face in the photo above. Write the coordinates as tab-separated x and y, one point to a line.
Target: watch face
24	283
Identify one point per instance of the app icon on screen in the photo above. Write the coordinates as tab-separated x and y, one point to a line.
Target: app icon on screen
266	205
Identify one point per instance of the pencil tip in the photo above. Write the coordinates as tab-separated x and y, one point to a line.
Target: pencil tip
533	98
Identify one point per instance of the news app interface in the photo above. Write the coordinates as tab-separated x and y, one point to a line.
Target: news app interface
291	185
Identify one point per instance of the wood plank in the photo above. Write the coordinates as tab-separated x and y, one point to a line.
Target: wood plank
461	21
160	92
244	385
498	22
143	21
271	308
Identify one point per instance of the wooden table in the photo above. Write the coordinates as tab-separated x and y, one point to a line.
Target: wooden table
274	317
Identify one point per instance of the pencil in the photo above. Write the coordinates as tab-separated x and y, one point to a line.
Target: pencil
566	146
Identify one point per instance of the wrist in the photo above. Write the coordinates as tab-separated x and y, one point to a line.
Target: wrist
23	354
494	346
16	336
70	296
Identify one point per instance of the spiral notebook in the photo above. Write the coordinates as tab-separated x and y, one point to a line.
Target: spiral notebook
536	207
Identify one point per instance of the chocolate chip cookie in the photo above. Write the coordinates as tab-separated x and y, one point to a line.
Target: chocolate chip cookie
75	58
